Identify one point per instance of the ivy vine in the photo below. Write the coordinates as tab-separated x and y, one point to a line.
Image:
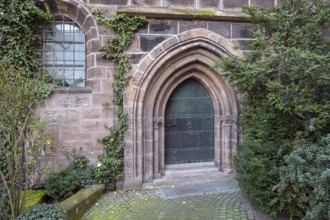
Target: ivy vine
111	165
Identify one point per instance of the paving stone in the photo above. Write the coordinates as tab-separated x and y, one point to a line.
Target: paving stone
178	202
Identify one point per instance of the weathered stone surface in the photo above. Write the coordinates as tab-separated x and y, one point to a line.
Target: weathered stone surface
94	125
148	42
220	28
61	117
181	3
109	2
262	3
96	73
93	46
163	27
135	44
137	57
90	60
76	206
91	34
155	3
107	85
188	25
228	4
241	30
72	101
95	84
100	61
88	23
101	99
215	4
91	113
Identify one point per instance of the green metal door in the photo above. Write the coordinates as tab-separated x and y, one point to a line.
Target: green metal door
189	129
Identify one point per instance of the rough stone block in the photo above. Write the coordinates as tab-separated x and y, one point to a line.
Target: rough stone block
107	112
72	101
93	46
156	51
91	34
189	25
94	125
72	133
101	99
90	60
75	206
241	30
148	42
95	84
170	42
163	27
96	73
109	2
60	117
215	4
91	113
108	10
88	23
103	30
180	3
134	46
107	85
67	8
262	3
228	4
136	57
100	61
143	29
154	3
220	28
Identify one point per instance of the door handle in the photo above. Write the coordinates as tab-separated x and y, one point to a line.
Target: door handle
170	125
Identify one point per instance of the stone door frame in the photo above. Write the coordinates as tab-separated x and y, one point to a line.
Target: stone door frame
190	54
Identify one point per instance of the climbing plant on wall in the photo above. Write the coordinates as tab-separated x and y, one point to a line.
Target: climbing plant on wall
112	162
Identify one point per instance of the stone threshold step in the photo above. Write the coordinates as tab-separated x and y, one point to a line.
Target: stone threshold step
189	168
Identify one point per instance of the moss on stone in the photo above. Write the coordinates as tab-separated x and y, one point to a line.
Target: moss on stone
33	197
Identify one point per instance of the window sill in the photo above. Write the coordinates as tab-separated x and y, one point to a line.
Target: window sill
73	90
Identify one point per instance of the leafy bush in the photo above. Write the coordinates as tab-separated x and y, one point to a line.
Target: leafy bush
80	162
305	180
283	164
61	185
43	211
86	177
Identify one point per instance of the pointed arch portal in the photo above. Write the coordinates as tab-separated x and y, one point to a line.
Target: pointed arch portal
183	61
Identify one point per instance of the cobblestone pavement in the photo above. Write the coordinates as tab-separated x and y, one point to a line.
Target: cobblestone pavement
202	201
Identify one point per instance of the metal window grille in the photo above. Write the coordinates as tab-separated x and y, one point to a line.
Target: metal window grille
63	52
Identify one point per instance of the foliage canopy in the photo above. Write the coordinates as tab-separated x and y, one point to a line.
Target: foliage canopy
283	163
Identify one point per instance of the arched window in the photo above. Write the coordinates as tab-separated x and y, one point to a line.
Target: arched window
63	52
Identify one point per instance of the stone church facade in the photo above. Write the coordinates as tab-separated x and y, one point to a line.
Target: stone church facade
172	57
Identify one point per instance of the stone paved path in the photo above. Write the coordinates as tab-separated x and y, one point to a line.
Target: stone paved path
212	200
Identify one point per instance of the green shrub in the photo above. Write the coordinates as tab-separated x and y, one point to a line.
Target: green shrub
43	211
283	164
86	177
79	162
305	181
61	185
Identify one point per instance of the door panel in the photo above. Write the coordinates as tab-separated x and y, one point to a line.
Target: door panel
189	134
